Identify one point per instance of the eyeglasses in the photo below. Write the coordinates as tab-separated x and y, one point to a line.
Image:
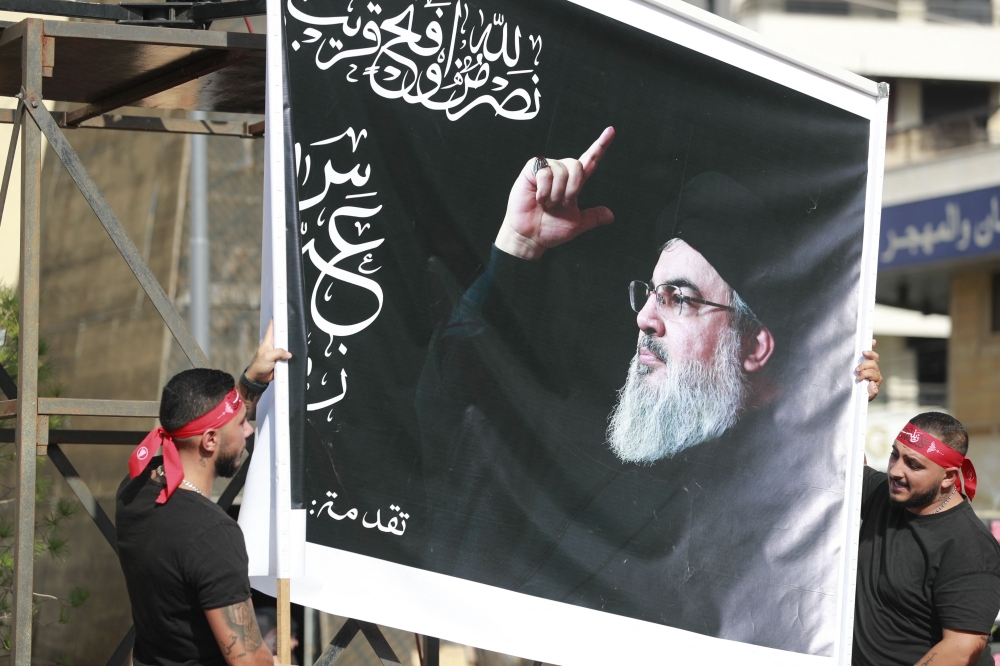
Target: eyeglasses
671	300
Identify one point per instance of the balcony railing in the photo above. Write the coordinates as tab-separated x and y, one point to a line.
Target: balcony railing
955	12
959	130
974	11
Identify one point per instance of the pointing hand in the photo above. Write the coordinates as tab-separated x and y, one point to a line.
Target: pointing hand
542	211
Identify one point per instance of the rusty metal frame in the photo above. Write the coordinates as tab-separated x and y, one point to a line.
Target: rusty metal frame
347	633
30	412
133	257
189	14
28	421
243	130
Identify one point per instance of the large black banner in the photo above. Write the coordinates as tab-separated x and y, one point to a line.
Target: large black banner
581	308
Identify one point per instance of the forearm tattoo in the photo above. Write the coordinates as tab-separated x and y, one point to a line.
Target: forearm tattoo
244	635
250	399
928	660
251	402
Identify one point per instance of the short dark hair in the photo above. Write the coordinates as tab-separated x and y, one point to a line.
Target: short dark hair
191	394
945	427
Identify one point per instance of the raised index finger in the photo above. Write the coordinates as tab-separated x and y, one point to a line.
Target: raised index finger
592	156
268	340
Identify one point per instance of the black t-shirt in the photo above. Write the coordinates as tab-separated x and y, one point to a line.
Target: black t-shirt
918	575
180	559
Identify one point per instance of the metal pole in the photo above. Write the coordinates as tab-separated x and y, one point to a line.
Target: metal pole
9	166
28	421
200	276
432	651
309	636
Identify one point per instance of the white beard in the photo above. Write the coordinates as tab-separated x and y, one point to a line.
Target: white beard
693	403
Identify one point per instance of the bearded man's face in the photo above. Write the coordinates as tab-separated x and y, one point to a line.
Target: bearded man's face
688	380
692	403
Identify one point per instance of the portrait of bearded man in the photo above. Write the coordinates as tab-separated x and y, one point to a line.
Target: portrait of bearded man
676	399
674	507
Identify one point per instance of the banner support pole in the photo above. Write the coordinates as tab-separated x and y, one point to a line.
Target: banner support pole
284	612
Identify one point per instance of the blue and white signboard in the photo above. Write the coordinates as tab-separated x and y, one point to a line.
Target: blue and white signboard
952	227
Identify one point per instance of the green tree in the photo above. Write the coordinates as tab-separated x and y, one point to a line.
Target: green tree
51	513
10	328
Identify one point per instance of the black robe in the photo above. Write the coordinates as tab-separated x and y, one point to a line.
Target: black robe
524	493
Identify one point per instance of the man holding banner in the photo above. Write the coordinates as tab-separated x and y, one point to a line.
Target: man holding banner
673	519
928	569
184	558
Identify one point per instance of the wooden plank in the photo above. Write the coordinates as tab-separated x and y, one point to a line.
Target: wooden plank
284	621
171	79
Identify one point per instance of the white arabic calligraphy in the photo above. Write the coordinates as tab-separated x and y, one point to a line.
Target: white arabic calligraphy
331	271
953	229
415	65
396	521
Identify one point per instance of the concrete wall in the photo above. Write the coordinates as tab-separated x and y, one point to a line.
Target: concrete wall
974	377
107	341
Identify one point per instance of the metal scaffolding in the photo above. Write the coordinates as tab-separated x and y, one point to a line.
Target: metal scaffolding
165	68
146	61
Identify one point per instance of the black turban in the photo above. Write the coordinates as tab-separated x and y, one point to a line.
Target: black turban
736	233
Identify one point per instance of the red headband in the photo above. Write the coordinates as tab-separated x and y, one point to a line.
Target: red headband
939	453
222	414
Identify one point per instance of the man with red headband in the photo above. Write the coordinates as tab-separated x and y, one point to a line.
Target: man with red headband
184	559
928	569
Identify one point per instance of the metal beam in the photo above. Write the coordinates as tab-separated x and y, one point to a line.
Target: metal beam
28	421
118	658
8	409
110	437
339	643
196	39
176	14
7	385
196	14
71	161
138	13
379	644
214	11
42	443
82	492
169	125
115	121
432	650
88	10
11	34
172	79
9	166
80	407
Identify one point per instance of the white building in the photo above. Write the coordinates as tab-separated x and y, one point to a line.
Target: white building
938	312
